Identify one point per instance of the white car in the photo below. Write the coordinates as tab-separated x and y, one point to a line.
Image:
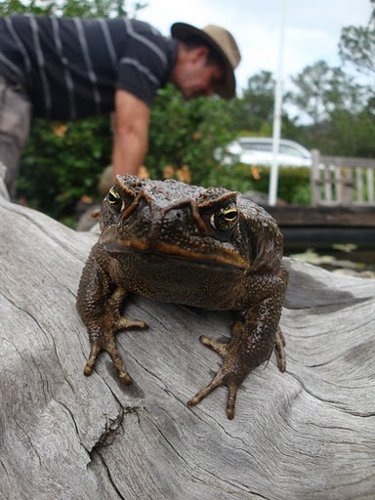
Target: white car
258	151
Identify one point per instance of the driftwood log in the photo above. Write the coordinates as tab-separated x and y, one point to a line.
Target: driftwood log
306	434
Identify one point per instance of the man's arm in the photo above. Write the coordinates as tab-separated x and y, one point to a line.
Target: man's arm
130	135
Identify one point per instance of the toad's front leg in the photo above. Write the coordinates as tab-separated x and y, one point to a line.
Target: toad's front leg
99	303
253	339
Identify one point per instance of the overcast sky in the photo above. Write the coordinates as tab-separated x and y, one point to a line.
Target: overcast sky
312	28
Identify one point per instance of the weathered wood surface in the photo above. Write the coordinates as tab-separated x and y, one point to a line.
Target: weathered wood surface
305	434
350	217
322	227
342	180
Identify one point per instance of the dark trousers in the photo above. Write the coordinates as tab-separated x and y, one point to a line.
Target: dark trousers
15	112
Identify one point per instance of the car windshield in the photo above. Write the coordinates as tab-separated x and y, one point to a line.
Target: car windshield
266	146
257	146
290	150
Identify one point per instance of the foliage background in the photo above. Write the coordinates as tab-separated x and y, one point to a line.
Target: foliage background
63	161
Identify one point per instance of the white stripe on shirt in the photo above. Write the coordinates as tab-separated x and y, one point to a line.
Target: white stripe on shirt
145	41
67	75
41	64
19	44
11	66
141	68
109	44
86	56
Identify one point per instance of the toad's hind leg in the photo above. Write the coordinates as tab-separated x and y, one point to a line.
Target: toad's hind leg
233	372
254	337
280	350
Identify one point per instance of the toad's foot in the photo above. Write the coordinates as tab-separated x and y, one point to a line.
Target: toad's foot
105	341
231	374
233	371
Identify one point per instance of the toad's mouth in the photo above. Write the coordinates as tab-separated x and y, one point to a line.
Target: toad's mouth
219	257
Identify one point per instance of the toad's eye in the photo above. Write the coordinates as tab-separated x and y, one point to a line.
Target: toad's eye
115	200
224	218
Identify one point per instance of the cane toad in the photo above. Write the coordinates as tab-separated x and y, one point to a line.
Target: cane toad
208	248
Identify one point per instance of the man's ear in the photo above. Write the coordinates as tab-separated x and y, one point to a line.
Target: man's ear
199	53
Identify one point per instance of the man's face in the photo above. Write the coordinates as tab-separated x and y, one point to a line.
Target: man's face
195	77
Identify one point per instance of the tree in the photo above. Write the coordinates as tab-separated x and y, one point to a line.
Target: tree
81	8
357	46
253	112
320	89
255	107
352	134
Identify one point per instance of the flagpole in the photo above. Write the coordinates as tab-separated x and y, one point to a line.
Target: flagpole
272	193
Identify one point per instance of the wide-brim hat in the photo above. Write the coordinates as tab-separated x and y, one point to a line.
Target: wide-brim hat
224	43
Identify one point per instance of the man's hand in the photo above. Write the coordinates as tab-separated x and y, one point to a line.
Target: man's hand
130	141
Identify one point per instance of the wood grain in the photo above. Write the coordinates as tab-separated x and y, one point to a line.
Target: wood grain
342	181
308	433
321	217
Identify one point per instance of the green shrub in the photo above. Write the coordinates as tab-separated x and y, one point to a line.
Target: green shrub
186	134
62	162
293	184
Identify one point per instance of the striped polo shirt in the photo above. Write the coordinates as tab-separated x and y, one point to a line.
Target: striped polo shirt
71	67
